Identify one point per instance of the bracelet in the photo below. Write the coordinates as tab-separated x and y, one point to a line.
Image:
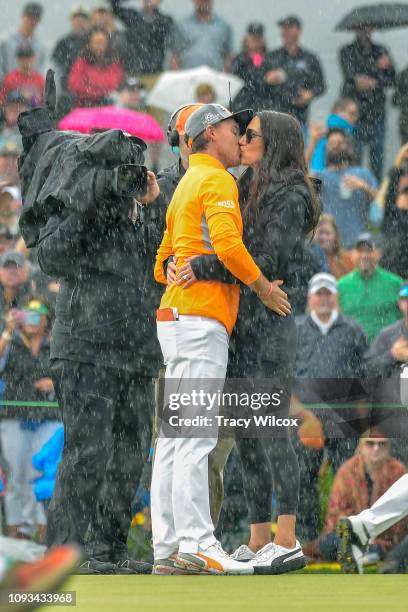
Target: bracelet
6	336
269	291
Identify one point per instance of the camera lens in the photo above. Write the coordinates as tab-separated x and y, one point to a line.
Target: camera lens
131	180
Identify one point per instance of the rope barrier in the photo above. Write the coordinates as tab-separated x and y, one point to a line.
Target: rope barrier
29	404
308	406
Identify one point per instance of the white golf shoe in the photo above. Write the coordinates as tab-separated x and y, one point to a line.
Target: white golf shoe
243	554
275	559
212	560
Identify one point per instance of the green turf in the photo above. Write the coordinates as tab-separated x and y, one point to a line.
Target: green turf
323	593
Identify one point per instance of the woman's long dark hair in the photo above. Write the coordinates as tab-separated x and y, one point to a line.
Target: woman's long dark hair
283	160
90	57
391	212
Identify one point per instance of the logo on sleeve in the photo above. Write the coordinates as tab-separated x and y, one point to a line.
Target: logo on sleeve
227	204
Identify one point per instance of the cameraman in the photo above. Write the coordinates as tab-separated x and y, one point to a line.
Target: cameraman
99	374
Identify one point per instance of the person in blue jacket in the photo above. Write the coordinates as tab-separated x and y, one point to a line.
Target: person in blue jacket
46	461
344	115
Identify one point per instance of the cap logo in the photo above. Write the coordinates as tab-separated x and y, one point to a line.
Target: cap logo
209	117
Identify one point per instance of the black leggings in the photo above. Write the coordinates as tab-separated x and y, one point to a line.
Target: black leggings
269	464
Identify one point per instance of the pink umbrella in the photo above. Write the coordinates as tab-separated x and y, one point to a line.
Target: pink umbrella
86	120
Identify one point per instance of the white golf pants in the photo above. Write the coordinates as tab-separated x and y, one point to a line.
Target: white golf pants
386	511
193	348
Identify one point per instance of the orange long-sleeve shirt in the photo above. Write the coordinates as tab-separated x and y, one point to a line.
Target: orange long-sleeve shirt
204	218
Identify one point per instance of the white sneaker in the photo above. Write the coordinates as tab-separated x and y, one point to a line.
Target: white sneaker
211	560
243	554
275	559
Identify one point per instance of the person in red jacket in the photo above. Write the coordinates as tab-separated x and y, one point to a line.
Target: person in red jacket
95	75
24	79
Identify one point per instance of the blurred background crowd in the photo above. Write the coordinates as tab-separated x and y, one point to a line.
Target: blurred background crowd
353	314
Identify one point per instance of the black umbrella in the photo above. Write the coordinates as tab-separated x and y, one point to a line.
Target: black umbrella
377	16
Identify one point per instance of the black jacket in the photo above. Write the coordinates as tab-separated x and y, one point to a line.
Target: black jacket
21	371
277	244
253	94
320	358
400	98
147	40
303	72
87	241
358	59
381	367
66	52
337	354
394	230
101	316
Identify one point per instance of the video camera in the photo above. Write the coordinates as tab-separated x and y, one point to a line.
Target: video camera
124	181
130	180
95	175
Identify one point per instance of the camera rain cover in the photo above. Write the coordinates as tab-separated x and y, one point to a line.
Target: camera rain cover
59	169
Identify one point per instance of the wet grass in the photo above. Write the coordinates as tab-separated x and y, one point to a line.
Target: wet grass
294	592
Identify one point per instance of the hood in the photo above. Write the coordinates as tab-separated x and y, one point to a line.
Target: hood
335	121
294	178
295	182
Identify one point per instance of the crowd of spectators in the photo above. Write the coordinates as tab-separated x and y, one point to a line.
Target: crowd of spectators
352	324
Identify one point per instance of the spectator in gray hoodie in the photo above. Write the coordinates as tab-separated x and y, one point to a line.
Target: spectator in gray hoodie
330	351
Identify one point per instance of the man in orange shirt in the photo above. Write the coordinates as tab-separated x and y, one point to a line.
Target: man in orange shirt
193	326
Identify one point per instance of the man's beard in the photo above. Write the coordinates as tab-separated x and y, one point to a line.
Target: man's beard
338	159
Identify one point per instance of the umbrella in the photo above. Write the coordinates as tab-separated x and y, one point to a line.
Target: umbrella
377	16
87	120
177	87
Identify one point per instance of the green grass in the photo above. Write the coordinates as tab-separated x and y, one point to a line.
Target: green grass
322	593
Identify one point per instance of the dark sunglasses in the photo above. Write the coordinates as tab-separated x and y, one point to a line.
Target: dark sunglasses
381	444
250	134
403	191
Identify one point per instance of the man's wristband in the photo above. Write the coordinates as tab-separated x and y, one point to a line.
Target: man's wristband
6	336
268	292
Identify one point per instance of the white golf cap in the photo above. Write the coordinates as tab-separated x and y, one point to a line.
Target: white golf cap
322	281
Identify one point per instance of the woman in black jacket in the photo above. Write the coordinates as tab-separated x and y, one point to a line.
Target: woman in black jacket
279	210
395	223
